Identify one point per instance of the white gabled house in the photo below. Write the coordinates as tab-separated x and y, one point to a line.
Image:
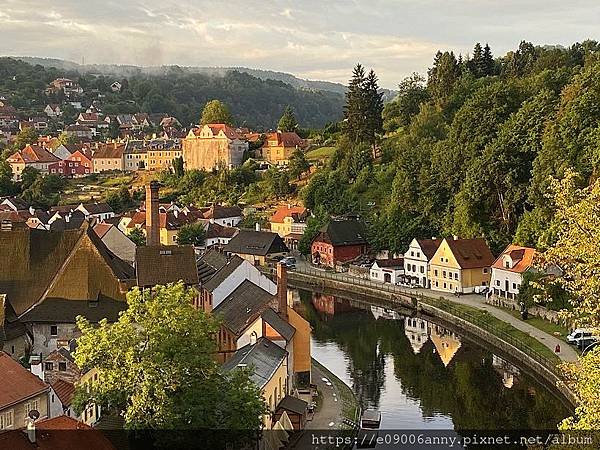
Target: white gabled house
508	270
417	259
387	270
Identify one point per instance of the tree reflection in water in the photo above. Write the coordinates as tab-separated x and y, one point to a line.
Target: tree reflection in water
434	373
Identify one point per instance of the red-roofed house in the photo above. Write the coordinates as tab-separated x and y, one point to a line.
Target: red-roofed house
213	146
508	270
289	219
279	146
76	165
20	392
31	156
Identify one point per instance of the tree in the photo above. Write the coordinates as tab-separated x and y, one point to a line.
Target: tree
412	92
192	234
442	76
7	187
137	236
374	109
298	164
157	367
65	138
356	106
120	199
25	137
489	66
178	167
113	129
314	223
216	112
28	176
576	253
288	120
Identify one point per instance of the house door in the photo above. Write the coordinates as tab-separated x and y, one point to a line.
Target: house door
425	282
387	278
506	288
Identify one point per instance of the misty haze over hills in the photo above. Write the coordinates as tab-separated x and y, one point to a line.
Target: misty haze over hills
131	70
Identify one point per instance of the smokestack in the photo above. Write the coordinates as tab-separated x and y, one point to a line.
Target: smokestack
152	214
282	291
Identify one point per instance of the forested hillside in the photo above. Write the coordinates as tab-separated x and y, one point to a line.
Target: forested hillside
471	148
178	92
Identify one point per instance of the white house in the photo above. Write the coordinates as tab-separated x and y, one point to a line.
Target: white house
508	270
417	259
116	87
53	110
417	332
387	270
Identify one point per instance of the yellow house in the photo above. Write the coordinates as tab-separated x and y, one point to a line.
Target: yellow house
162	158
283	220
280	146
459	265
92	412
446	343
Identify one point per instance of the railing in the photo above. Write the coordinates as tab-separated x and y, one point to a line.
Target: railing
444	305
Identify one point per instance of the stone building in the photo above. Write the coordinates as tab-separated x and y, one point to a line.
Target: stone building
213	146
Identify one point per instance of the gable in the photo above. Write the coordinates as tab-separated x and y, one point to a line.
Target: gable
444	256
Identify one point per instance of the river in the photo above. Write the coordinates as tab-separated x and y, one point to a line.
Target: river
421	375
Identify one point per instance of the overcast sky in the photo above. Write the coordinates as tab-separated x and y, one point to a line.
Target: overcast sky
316	39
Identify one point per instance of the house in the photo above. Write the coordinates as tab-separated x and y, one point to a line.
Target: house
62	151
161	265
67	86
222	275
80	131
70	168
57	433
20	392
135	155
116	241
289	219
116	87
53	110
15	339
446	343
387	270
269	374
296	409
213	146
508	270
51	278
31	156
256	246
108	157
279	147
459	265
61	399
162	152
341	240
169	223
98	210
59	365
217	235
417	259
227	216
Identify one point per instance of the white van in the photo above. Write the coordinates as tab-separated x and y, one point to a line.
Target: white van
579	334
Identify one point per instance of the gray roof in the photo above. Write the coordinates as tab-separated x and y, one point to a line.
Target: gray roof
165	264
223	273
286	330
264	358
260	243
243	306
55	310
209	264
293	404
342	231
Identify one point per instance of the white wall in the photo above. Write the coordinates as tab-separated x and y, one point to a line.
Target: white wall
416	264
246	338
245	271
501	276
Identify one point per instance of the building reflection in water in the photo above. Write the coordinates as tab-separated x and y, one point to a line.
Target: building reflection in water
507	371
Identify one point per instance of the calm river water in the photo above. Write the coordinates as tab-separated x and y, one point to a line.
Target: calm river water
421	375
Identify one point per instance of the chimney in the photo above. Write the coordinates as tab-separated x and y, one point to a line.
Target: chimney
455	237
257	226
282	291
152	214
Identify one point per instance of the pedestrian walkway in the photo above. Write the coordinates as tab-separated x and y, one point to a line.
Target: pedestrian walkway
329	415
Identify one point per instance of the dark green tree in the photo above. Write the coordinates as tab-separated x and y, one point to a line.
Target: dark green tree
298	164
137	236
288	120
442	76
355	111
216	111
374	108
192	234
178	167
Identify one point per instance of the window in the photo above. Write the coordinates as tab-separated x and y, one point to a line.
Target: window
435	272
444	285
485	270
514	285
444	274
53	330
456	276
48	366
6	420
418	254
497	282
507	265
422	269
62	366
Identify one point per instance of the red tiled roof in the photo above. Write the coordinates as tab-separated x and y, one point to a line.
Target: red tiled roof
285	139
287	211
64	390
216	128
429	246
17	383
522	258
35	154
109	151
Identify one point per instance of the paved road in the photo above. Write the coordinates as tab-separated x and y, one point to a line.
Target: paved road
330	411
567	353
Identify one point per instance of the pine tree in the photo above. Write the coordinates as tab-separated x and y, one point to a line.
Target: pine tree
288	120
477	62
354	111
488	61
374	108
443	75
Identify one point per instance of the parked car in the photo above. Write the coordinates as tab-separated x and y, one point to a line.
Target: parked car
277	258
585	342
481	290
289	260
578	334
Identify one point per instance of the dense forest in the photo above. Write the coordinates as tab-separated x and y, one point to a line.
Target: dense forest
178	92
471	148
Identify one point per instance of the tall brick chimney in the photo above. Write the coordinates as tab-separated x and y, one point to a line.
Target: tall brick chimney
282	291
152	216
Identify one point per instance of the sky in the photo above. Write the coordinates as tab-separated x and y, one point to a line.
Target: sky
314	39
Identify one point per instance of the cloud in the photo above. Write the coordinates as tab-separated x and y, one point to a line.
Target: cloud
310	38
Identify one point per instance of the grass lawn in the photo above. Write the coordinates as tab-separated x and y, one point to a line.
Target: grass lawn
484	317
320	153
541	324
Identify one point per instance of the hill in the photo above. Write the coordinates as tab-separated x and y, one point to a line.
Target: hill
177	91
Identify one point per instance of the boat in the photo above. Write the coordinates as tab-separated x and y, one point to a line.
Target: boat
368	431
